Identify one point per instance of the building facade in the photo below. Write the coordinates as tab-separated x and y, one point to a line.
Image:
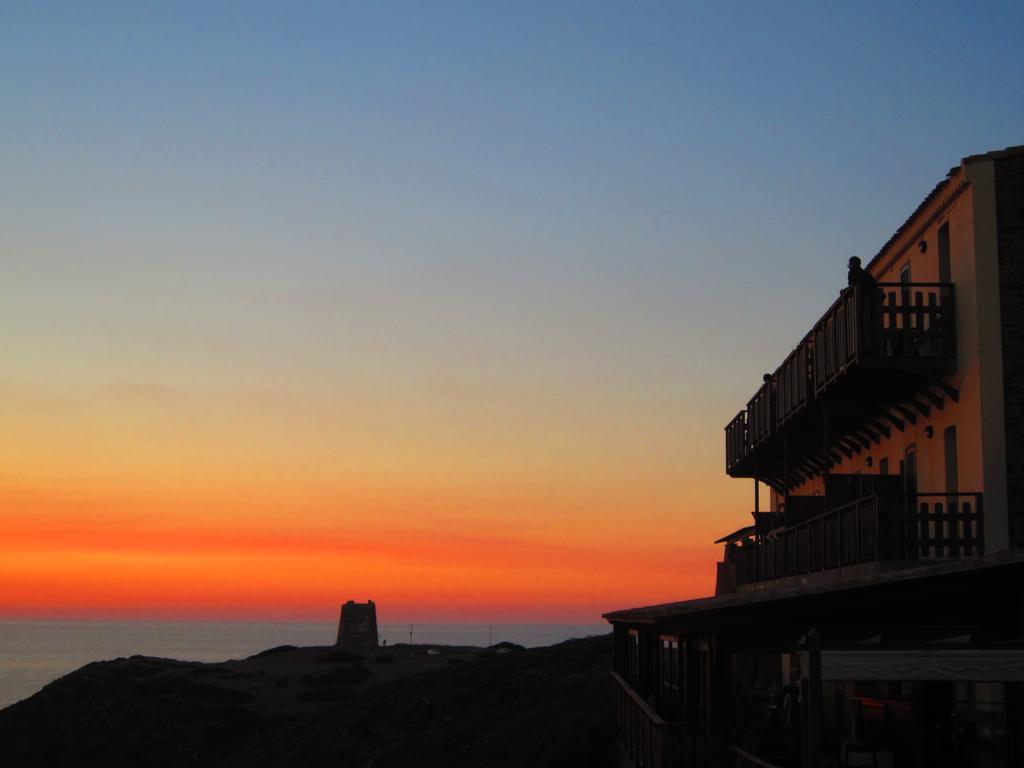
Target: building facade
869	612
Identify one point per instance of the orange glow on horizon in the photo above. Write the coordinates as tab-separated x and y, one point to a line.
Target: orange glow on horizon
92	557
135	501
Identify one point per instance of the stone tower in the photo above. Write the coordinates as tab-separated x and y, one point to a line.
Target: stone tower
357	628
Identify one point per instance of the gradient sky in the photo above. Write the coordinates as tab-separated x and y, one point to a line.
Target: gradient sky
443	304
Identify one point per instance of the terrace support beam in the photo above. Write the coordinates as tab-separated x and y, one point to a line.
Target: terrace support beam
936	400
948	389
862	441
872	434
796	476
848	446
884	430
894	420
908	414
818	462
923	409
797	472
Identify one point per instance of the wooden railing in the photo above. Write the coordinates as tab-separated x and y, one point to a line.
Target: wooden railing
650	740
792	392
761	414
737	442
944	525
745	759
891	322
870	529
835	339
654	742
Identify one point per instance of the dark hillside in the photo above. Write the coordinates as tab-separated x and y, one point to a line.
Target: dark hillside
315	706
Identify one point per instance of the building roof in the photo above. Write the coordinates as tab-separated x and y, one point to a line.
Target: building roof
995	154
743	600
742	533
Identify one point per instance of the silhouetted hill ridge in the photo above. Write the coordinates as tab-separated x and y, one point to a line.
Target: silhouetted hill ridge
397	706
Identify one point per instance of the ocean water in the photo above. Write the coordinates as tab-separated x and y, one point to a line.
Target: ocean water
34	653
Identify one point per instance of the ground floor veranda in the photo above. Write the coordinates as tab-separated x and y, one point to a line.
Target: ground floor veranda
919	668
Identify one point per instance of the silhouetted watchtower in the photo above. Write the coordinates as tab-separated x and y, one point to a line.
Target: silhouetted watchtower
357	628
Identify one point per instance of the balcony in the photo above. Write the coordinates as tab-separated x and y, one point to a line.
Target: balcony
752	427
874	350
875	528
793	391
737	443
895	326
761	414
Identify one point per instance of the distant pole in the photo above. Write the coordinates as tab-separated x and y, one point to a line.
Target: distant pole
410	633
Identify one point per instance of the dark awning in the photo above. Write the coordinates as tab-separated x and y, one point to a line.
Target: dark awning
742	533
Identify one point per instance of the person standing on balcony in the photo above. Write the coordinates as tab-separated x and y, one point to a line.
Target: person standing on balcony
864	284
856	275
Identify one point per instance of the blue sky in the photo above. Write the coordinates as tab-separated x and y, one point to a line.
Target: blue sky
641	170
562	240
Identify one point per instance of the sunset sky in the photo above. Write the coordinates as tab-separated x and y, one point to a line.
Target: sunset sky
440	304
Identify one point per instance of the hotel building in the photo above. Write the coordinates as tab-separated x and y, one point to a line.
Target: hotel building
869	609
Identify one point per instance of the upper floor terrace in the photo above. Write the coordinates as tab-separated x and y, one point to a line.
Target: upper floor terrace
873	361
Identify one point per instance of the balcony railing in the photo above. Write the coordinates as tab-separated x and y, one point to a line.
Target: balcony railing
892	323
737	442
650	740
944	525
761	414
871	529
746	759
656	743
791	383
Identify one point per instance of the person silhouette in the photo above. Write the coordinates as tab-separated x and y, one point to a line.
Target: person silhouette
861	281
857	275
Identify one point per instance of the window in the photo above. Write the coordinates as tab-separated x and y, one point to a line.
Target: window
910	471
883	466
905	290
952	460
945	270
